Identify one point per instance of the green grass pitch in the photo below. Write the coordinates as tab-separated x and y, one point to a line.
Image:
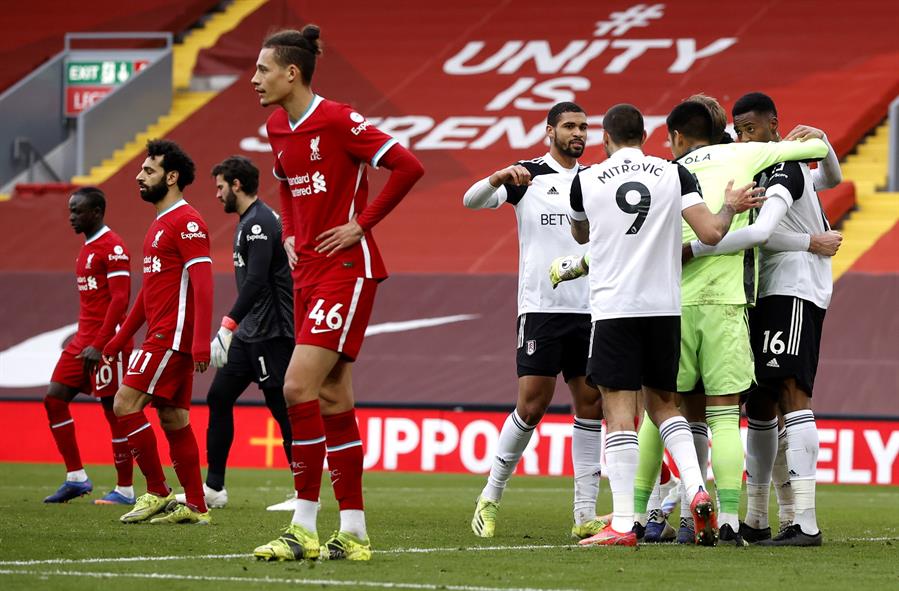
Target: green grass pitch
419	526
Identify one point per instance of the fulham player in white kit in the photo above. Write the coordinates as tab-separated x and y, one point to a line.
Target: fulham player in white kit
553	324
629	210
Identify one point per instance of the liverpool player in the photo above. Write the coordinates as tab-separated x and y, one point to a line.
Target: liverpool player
176	303
104	286
255	341
321	149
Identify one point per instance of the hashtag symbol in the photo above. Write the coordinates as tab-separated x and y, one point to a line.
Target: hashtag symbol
621	22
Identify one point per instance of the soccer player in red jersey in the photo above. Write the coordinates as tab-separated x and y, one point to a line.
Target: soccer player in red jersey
104	286
176	303
321	149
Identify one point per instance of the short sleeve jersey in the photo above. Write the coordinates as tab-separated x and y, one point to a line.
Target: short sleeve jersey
102	257
796	273
176	240
258	255
634	203
731	278
322	158
544	233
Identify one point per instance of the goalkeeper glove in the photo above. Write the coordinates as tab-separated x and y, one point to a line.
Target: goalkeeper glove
222	341
567	268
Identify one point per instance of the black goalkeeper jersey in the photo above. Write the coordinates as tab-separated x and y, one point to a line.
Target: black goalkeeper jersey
264	306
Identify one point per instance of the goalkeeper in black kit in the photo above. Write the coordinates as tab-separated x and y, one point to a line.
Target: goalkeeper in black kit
255	341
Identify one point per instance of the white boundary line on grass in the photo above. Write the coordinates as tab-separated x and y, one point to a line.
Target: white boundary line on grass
301	582
389	551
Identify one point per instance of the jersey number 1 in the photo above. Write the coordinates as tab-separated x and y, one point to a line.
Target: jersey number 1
640	208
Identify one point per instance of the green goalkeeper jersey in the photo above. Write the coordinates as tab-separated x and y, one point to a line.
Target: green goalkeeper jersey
731	278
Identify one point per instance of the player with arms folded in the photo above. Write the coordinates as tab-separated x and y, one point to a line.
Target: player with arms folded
553	324
175	301
103	272
321	149
628	209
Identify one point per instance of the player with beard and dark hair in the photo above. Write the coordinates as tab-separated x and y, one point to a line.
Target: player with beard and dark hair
103	273
175	301
255	340
553	324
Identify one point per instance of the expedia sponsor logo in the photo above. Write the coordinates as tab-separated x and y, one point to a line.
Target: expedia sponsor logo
193	231
256	233
88	283
360	128
118	253
152	265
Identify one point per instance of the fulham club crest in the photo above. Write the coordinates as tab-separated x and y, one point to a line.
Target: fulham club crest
531	347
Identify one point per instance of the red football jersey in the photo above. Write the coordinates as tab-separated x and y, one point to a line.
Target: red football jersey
321	159
177	239
103	256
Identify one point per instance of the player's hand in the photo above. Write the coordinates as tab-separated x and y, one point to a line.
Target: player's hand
111	350
686	253
219	346
744	198
91	358
291	252
805	132
201	366
565	269
825	244
339	237
516	175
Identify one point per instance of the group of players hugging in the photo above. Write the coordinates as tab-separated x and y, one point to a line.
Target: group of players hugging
655	344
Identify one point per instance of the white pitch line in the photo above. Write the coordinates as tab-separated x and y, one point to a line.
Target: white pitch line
73	561
280	581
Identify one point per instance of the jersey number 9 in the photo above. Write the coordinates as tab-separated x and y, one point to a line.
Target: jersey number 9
640	208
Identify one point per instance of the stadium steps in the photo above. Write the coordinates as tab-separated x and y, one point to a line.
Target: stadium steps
877	211
184	102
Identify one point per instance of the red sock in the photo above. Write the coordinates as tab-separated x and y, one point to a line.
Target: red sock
186	461
308	448
345	457
62	426
142	442
121	453
665	475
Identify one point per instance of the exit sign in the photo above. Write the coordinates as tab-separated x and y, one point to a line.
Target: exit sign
87	82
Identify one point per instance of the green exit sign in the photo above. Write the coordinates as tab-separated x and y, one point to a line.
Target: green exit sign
101	73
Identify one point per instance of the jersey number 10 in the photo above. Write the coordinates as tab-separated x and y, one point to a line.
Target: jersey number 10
640	208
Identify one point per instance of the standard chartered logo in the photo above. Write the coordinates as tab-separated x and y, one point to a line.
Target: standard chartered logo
318	183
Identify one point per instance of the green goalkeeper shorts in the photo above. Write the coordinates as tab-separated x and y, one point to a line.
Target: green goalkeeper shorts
715	353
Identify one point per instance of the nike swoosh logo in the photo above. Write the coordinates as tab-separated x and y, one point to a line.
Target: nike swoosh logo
321	330
265	378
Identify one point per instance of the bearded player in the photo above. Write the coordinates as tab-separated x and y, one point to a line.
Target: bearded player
103	272
321	148
175	301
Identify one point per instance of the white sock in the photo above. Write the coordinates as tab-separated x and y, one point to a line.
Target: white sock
678	440
125	491
622	457
305	514
586	451
513	440
761	449
781	479
802	459
76	476
353	521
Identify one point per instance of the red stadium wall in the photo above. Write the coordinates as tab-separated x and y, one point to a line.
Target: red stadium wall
852	452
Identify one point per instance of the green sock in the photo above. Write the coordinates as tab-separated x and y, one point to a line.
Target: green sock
651	451
727	455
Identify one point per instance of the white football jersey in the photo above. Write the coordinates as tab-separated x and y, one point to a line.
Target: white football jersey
796	273
634	203
544	233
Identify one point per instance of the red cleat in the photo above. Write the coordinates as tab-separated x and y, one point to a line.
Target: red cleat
705	524
609	537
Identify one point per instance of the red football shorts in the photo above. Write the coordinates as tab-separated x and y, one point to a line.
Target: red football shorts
69	371
165	374
334	314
